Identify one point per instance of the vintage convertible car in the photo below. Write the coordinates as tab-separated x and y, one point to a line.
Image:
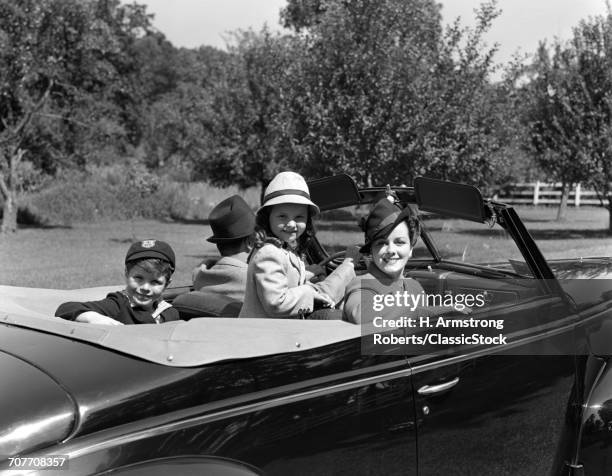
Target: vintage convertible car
224	396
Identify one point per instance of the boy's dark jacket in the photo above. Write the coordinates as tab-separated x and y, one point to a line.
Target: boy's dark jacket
116	305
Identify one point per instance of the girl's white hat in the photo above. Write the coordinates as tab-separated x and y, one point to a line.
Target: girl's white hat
288	187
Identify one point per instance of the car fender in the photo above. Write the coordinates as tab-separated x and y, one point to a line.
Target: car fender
595	452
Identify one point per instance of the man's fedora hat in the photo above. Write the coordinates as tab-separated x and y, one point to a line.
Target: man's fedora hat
383	218
288	187
231	219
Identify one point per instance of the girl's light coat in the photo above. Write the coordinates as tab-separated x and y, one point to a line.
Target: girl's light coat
277	284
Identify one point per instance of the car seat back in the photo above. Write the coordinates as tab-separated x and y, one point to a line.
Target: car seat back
206	304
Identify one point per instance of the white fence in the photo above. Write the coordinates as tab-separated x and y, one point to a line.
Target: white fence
541	193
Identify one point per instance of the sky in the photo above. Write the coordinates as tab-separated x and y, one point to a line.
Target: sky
522	24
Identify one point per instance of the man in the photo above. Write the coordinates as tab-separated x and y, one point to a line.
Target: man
232	222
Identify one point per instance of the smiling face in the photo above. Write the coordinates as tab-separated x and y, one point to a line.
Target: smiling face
288	222
391	254
144	287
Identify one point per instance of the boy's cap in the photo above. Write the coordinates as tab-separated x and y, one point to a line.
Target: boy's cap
231	220
151	249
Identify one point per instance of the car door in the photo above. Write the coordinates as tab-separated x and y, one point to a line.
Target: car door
333	411
498	410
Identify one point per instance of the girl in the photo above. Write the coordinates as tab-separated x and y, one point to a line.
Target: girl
277	279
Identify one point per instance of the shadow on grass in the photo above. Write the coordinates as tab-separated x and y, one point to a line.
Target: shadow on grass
121	240
35	226
550	234
553	234
337	226
189	221
26	219
573	218
542	220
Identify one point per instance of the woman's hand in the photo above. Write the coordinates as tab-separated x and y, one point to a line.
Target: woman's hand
93	317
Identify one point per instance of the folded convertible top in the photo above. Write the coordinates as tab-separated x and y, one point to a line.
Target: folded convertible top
196	342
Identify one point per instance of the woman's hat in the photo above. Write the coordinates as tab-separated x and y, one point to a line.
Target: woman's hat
151	249
231	219
288	187
381	221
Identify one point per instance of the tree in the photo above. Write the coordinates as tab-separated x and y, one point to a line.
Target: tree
66	83
458	118
29	64
302	14
555	119
175	121
373	88
360	62
569	109
244	122
593	43
382	92
175	127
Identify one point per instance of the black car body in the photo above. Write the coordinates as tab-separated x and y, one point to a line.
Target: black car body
224	396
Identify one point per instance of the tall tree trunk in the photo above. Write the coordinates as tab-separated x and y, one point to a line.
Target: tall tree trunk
562	211
12	154
610	214
263	183
9	214
8	185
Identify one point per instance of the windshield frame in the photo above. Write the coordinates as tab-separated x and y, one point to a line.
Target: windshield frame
493	211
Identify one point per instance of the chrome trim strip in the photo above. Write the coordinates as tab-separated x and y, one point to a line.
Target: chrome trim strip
111	441
496	350
595	312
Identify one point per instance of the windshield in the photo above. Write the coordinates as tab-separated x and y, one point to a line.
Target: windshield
455	239
468	242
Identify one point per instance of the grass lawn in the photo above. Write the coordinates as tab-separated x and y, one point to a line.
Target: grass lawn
91	254
584	233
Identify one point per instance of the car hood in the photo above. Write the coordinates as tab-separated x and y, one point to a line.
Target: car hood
588	281
582	268
36	411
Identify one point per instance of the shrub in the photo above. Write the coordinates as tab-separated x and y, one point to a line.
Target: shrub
27	214
119	193
194	201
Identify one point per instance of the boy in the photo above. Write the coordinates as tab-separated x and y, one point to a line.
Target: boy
232	222
149	265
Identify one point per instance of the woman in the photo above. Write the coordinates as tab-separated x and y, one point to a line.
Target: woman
390	236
